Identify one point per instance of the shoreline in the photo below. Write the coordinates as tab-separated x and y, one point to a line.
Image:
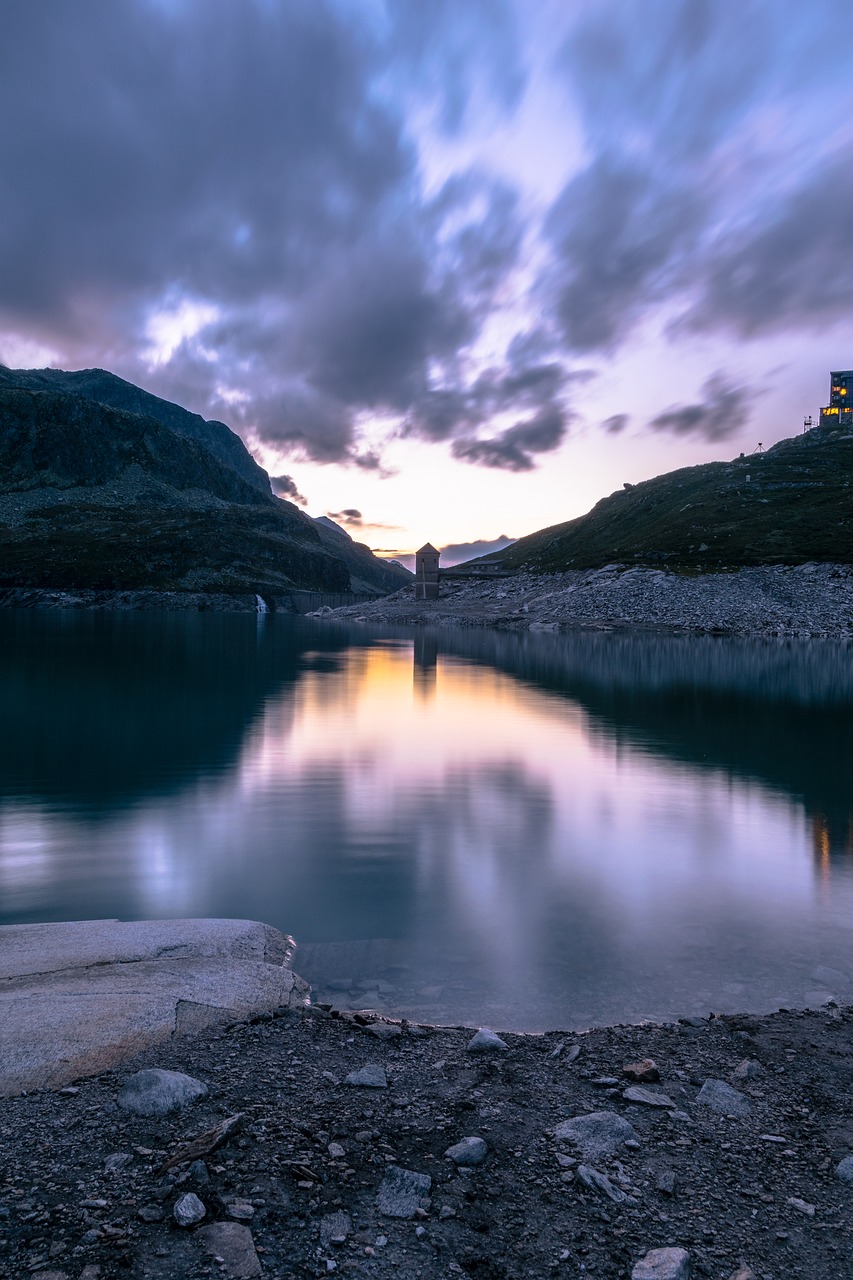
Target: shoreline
790	601
738	1127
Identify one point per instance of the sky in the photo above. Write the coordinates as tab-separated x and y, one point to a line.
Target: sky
453	270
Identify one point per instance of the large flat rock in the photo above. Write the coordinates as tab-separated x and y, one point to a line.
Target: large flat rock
78	998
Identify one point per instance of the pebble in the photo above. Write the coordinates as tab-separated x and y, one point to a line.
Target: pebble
241	1210
844	1169
117	1161
666	1182
644	1072
648	1097
597	1134
336	1151
486	1041
597	1181
747	1070
188	1210
663	1264
334	1228
401	1192
233	1245
371	1076
743	1273
468	1152
723	1099
802	1206
151	1213
157	1093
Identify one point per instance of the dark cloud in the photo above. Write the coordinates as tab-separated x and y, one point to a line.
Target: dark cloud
459	552
286	487
617	233
349	515
514	449
722	411
695	114
239	159
790	265
615	423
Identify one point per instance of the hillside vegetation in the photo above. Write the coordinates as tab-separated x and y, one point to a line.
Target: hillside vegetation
94	496
790	505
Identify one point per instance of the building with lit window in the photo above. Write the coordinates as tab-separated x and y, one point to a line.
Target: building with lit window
839	411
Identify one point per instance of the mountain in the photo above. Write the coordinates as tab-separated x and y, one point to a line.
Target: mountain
94	495
789	505
106	388
359	559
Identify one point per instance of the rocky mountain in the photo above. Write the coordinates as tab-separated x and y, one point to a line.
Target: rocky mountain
358	557
790	505
98	496
106	388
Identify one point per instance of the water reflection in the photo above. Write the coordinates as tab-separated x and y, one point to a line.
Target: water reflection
534	831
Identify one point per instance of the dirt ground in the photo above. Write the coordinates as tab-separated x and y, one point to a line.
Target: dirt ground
84	1193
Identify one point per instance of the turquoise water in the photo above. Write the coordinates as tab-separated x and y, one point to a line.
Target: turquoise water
527	831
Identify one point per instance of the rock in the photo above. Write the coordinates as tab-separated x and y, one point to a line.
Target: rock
600	1182
663	1264
666	1182
157	1093
485	1041
844	1169
743	1273
188	1210
151	1213
747	1070
334	1228
644	1072
598	1134
401	1192
87	995
722	1098
117	1161
385	1030
232	1243
199	1173
241	1210
827	977
336	1151
604	1082
802	1206
648	1097
371	1076
468	1153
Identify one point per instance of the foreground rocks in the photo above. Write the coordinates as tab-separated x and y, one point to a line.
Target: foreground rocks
283	1169
775	600
78	998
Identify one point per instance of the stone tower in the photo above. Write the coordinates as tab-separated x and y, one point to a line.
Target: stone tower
426	573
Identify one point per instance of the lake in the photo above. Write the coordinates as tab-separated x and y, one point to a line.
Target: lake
523	831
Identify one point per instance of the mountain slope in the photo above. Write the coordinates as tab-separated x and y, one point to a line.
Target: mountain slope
364	567
95	497
106	388
789	505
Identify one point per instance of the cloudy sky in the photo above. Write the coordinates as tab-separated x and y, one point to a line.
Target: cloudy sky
452	268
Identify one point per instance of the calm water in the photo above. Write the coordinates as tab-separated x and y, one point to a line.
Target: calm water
527	831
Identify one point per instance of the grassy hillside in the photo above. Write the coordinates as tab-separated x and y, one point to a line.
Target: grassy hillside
789	505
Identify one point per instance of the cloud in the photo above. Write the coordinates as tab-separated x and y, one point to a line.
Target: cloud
252	166
513	449
721	413
286	487
718	185
459	552
616	423
349	515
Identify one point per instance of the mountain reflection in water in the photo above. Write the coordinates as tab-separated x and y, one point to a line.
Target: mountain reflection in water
513	829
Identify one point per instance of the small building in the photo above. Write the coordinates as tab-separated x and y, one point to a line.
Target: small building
839	411
426	572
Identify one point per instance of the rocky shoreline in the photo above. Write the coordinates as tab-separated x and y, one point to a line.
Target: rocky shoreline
773	600
309	1140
